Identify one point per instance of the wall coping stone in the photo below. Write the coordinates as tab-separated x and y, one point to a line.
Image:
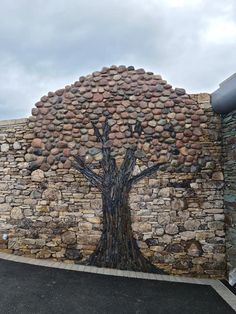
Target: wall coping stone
5	123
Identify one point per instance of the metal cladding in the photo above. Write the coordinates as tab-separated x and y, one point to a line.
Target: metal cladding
224	98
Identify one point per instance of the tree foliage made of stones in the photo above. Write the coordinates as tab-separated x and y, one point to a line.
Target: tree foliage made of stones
61	122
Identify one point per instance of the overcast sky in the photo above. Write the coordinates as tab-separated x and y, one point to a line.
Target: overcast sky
47	44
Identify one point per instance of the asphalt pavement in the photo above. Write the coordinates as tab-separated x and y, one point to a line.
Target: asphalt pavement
29	289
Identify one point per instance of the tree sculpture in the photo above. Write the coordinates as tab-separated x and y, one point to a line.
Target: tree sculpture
117	247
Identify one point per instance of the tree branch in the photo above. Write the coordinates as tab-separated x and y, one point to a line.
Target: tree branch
138	128
106	130
97	133
88	173
128	165
145	173
104	137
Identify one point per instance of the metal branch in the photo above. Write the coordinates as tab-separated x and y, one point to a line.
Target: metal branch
138	128
88	173
108	163
128	165
106	130
97	133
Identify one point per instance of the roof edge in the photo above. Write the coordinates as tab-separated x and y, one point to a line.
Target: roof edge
224	98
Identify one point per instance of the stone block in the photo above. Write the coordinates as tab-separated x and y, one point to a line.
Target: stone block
16	213
187	235
181	131
5	148
191	225
171	229
37	176
204	98
5	207
69	237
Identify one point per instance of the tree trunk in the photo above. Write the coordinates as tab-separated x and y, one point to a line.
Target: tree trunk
117	248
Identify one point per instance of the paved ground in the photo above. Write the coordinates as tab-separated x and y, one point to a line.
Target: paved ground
41	290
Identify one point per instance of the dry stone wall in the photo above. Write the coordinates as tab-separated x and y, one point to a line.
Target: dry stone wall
48	210
229	150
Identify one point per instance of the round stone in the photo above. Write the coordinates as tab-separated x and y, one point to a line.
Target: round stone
194	248
180	116
159	128
16	213
50	159
37	142
171	229
17	145
37	175
191	225
162	122
148	130
180	91
54	151
67	127
5	148
68	237
30	157
163	218
35	111
67	164
51	194
184	151
70	115
152	123
62	144
116	77
188	133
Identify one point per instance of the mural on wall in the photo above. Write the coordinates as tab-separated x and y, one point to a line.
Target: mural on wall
173	217
117	247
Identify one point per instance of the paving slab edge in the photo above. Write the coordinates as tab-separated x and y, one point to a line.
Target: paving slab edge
217	285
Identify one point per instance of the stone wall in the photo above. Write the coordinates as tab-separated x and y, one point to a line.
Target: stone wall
229	147
48	210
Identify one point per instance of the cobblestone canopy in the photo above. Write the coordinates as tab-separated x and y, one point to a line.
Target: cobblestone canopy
49	210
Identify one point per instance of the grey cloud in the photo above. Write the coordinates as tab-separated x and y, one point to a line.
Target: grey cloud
48	44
